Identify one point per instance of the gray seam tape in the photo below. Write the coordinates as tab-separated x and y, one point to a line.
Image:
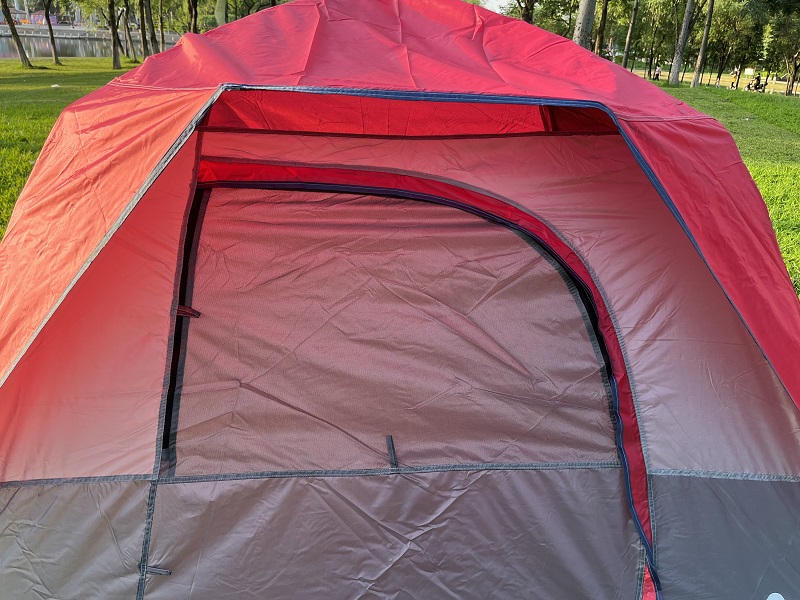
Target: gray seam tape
393	471
724	475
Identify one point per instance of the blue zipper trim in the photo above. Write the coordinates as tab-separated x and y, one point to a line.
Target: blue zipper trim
490	99
584	293
626	470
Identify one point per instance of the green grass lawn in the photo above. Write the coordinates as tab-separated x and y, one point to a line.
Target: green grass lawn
29	106
766	128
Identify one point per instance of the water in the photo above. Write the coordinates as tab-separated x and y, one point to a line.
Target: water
76	42
36	46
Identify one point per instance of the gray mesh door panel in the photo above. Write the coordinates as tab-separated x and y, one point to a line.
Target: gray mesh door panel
330	321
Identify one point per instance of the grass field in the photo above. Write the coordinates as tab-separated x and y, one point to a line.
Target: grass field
29	106
766	128
767	131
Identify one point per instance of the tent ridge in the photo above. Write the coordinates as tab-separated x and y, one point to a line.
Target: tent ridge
139	86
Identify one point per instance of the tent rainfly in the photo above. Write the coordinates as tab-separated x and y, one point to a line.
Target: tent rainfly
394	299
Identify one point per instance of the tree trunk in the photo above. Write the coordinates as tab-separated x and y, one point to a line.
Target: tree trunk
119	37
47	6
128	37
723	62
161	25
583	24
525	10
680	48
601	29
629	37
151	30
23	57
570	25
792	66
112	23
651	55
143	31
192	16
700	65
221	12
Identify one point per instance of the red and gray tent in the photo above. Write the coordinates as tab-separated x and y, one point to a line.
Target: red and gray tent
394	298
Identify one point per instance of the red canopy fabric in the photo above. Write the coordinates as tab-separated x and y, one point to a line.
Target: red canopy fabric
413	46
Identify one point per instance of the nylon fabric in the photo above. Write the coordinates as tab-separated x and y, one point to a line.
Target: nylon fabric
752	525
296	111
329	321
100	152
71	540
696	371
409	45
477	51
85	400
672	243
484	534
741	246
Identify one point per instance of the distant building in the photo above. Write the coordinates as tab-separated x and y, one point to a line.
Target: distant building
17	15
37	18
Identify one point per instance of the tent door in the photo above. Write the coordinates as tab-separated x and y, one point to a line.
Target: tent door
330	320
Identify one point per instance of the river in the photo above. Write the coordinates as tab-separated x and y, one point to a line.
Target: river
79	42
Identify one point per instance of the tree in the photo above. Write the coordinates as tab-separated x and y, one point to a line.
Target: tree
128	38
629	36
680	47
658	16
48	4
701	56
23	57
601	29
160	25
111	18
221	12
782	44
526	8
583	24
151	30
143	32
553	15
192	5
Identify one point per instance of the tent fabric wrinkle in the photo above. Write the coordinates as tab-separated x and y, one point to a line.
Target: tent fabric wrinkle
566	186
394	298
433	357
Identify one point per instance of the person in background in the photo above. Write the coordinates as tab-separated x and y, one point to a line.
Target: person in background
657	74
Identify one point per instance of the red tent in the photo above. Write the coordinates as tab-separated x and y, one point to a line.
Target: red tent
397	298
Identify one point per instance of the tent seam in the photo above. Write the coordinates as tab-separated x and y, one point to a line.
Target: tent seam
316	473
702	474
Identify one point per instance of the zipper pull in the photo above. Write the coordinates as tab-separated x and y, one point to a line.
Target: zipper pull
187	311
